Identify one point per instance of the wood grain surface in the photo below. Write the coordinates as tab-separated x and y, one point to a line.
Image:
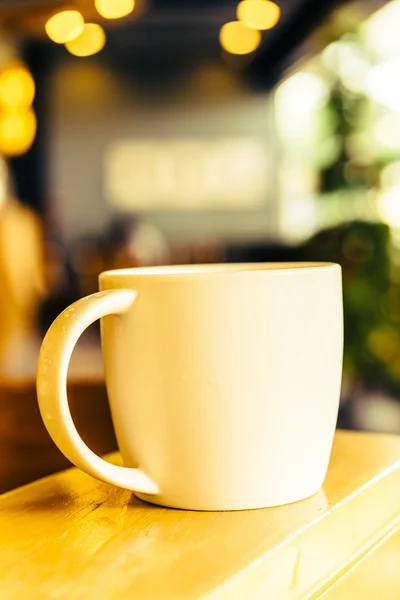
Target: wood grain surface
377	576
70	536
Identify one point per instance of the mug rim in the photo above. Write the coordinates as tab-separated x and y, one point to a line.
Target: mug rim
194	270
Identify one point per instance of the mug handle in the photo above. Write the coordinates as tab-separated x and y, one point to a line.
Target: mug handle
54	358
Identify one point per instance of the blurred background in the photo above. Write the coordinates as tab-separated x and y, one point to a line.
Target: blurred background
195	131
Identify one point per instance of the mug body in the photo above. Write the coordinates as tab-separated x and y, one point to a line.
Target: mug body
224	380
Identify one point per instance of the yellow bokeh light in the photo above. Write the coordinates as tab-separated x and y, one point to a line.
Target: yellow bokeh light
17	131
114	9
65	26
17	88
90	42
236	38
258	14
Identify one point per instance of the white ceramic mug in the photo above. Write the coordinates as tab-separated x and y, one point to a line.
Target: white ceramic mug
223	381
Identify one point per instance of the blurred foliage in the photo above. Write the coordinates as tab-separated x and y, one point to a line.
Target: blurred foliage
346	172
371	280
371	296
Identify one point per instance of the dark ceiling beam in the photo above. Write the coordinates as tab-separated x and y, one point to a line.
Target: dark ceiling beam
276	52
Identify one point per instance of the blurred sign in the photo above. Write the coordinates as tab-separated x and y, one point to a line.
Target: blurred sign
185	174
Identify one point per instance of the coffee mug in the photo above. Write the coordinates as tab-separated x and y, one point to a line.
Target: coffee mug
223	381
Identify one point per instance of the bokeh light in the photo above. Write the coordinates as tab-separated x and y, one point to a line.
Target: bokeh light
17	131
386	131
347	60
114	9
302	91
383	83
389	206
17	88
258	14
381	31
390	175
236	38
65	26
296	100
91	41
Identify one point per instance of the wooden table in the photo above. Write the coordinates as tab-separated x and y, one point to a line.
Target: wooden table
376	576
70	536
